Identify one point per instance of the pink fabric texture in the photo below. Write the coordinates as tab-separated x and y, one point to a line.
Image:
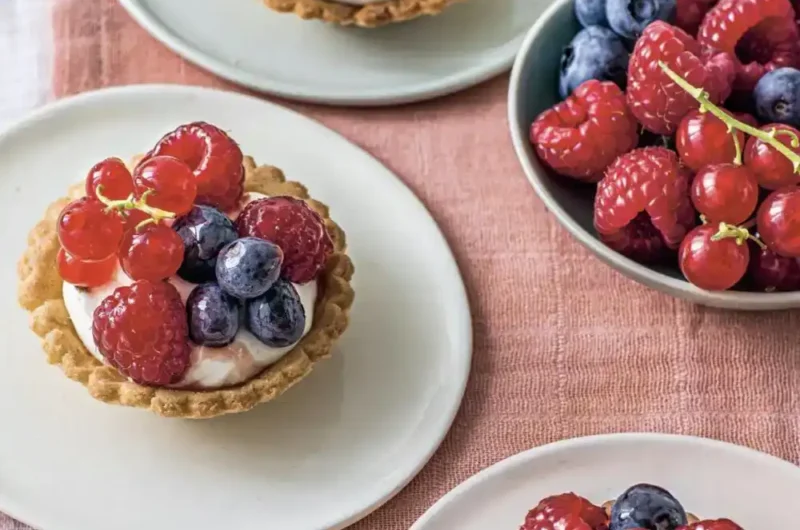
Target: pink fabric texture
564	346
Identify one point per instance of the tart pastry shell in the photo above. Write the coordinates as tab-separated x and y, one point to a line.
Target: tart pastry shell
40	292
367	16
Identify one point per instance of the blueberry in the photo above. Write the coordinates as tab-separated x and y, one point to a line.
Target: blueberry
204	231
277	317
647	507
628	18
248	267
213	315
594	53
777	97
591	12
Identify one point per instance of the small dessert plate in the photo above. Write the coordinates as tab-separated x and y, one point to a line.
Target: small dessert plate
247	43
711	479
319	457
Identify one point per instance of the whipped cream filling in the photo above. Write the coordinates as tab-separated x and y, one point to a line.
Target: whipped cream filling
209	367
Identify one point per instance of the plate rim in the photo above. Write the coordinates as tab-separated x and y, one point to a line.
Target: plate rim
70	103
465	79
543	451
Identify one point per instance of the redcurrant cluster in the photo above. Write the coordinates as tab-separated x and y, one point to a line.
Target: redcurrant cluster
740	186
121	220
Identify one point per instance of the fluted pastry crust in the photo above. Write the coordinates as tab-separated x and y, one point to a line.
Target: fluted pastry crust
367	16
40	292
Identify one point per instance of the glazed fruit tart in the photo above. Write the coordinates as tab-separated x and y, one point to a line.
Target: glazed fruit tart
195	284
364	13
640	507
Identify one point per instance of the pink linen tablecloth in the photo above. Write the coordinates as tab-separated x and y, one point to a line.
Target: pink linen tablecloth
564	346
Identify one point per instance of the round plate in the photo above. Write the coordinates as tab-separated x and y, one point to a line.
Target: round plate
324	454
705	475
248	44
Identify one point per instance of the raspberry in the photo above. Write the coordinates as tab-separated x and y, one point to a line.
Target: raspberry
642	208
214	157
656	101
297	229
689	14
566	512
141	331
760	34
582	135
719	524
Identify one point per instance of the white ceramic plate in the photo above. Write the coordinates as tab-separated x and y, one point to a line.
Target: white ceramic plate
711	479
248	44
323	455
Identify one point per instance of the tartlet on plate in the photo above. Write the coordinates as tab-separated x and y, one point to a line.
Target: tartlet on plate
640	506
42	293
367	14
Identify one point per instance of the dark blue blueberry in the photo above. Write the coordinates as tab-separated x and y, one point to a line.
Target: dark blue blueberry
277	318
647	507
204	231
248	267
777	97
594	53
628	18
214	316
591	12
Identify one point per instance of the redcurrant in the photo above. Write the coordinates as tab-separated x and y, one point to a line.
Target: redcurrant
771	272
778	222
153	252
703	139
725	193
87	231
85	273
713	265
113	175
771	168
170	183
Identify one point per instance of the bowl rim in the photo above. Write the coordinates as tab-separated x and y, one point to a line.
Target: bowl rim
642	274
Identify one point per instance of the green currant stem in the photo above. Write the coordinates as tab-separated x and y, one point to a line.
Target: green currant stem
795	141
737	161
739	233
706	106
132	203
145	223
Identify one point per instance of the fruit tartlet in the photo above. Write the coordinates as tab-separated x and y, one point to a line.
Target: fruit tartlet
195	284
363	13
684	115
640	507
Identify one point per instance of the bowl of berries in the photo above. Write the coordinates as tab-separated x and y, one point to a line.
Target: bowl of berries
663	135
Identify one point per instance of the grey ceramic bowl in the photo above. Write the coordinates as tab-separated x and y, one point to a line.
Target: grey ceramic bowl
534	87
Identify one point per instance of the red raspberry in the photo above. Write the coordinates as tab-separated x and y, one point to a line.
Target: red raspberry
141	331
214	157
657	102
761	34
297	229
689	14
566	512
642	208
581	136
719	524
